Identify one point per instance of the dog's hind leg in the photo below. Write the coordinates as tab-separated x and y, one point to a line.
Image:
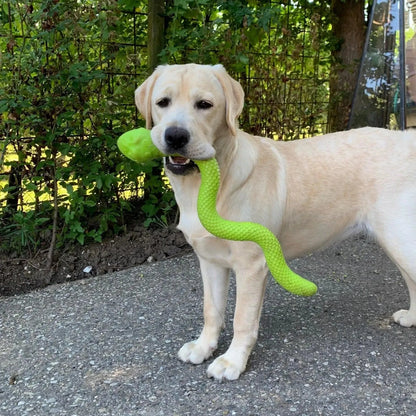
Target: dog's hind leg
407	317
398	239
216	283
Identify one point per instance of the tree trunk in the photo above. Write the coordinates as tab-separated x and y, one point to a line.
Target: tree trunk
156	32
155	43
349	30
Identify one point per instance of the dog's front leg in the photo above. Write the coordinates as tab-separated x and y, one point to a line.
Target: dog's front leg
216	282
251	283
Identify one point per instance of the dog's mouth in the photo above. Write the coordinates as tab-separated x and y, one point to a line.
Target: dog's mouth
180	165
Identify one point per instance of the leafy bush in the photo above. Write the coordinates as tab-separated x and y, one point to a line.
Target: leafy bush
63	103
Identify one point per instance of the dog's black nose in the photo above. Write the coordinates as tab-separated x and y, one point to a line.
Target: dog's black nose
176	137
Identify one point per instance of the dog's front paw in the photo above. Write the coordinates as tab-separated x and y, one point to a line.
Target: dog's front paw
195	352
226	368
404	318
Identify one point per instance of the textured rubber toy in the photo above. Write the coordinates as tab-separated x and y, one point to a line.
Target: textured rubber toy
137	145
245	231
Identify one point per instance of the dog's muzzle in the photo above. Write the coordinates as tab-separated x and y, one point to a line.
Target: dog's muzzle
176	139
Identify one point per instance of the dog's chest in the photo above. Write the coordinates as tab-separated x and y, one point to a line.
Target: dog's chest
204	243
186	190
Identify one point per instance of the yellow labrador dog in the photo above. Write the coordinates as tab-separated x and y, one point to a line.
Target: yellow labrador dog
309	193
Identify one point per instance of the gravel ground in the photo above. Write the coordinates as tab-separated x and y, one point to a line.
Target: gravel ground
107	345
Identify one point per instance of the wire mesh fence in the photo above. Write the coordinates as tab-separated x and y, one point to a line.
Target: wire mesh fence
287	85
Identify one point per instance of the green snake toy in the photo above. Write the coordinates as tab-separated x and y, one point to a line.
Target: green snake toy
137	145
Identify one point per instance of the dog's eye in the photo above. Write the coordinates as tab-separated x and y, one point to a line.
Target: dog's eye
163	102
203	105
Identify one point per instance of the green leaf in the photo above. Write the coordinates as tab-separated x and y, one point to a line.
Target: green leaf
81	239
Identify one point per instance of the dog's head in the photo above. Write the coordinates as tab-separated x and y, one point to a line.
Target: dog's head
190	106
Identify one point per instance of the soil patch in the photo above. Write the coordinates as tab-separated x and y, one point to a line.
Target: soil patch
138	245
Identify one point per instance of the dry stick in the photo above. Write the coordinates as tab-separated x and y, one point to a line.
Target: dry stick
55	219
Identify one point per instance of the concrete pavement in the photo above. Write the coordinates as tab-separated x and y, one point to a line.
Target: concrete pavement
107	345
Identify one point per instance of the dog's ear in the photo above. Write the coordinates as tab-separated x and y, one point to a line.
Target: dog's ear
234	96
143	96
